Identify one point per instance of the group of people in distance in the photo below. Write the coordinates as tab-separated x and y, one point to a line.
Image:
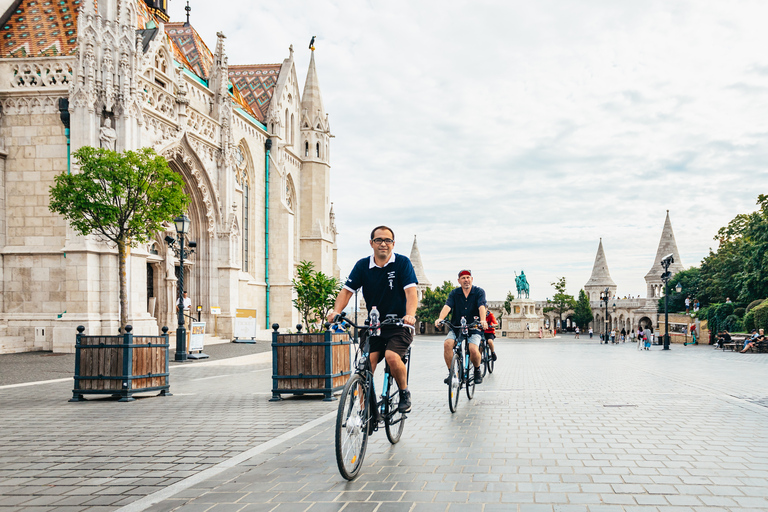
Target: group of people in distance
389	283
725	337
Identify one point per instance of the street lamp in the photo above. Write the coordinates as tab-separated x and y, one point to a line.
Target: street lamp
182	228
666	261
614	318
605	296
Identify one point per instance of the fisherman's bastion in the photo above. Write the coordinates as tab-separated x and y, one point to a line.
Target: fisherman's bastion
251	142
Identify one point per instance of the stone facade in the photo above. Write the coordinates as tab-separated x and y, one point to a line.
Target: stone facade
159	86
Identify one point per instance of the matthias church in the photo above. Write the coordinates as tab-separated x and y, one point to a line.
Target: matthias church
251	142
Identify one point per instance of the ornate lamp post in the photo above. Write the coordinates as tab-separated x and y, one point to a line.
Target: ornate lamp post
605	296
614	316
182	228
665	277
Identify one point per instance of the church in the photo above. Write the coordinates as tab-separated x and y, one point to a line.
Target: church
251	142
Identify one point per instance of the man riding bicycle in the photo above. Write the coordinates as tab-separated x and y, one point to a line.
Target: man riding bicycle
490	332
469	302
389	283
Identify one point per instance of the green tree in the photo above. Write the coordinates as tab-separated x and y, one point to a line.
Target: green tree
691	286
561	302
582	313
315	295
739	268
508	303
433	301
122	198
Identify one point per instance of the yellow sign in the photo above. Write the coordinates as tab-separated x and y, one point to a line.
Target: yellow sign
215	310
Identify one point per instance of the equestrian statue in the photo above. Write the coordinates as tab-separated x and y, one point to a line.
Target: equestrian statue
522	285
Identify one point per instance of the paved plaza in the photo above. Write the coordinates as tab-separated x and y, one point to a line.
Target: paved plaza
562	425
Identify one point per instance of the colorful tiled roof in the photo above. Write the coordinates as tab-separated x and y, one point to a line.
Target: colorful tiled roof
256	84
40	28
191	47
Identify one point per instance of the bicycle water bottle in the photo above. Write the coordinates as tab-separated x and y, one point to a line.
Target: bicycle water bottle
374	316
464	329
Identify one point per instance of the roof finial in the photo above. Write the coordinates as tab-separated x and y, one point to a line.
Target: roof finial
187	8
312	44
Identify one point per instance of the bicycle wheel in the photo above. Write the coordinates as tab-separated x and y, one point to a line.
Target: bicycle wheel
484	357
469	377
489	358
394	420
352	427
454	386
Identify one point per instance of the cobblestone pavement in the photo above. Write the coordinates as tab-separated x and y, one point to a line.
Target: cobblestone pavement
562	425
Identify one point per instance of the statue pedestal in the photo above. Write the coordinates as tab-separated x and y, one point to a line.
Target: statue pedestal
523	322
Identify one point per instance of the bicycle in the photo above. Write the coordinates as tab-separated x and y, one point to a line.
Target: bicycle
359	409
461	371
487	363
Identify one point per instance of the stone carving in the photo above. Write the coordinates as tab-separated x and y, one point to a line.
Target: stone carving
46	73
107	135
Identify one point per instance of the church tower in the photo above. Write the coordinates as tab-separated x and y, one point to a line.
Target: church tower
317	234
667	245
601	276
418	268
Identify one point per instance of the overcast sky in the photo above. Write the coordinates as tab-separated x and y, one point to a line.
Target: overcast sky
512	135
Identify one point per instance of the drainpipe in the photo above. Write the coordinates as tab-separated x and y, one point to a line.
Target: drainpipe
268	147
64	115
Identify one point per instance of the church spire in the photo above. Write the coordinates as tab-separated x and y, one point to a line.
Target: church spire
667	245
311	99
418	266
601	276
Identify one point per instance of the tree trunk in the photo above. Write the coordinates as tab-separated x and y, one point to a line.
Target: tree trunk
122	256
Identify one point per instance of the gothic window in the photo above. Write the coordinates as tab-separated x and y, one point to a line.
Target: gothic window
153	248
239	156
291	128
317	150
287	128
306	148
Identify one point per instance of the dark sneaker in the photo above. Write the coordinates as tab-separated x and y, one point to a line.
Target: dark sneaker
447	380
493	356
405	402
478	376
377	417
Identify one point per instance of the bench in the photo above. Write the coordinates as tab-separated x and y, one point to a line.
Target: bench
737	342
760	346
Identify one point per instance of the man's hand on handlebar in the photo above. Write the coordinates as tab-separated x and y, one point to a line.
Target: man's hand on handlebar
484	324
438	322
409	319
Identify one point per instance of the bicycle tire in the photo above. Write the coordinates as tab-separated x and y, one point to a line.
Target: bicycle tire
352	427
484	357
469	375
491	362
394	420
454	385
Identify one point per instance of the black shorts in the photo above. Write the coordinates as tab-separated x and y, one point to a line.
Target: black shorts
490	336
396	339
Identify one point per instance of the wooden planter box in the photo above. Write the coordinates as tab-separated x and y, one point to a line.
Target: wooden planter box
120	365
306	363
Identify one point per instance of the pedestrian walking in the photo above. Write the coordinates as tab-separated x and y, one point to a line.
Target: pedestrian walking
577	332
591	332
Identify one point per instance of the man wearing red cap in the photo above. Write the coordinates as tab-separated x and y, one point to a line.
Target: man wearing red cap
469	302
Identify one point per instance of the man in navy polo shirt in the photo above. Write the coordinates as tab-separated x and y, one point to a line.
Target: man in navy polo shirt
469	302
389	283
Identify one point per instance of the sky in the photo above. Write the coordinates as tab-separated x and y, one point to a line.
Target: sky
513	135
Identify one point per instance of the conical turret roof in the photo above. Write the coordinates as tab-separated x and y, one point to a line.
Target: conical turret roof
418	266
667	245
601	276
311	99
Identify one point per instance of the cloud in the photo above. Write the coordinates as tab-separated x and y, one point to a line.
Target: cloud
513	135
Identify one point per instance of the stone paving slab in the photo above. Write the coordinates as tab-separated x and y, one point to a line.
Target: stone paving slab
561	425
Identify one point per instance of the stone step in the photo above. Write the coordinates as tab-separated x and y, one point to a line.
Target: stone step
16	344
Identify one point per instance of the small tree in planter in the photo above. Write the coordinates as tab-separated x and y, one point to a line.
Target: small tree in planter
315	295
123	198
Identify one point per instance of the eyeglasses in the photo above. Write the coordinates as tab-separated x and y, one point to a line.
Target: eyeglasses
379	241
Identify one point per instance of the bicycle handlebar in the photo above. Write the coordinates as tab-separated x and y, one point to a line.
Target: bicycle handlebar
389	320
473	325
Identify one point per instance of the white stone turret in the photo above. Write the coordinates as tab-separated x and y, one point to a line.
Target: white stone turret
601	276
418	268
667	245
